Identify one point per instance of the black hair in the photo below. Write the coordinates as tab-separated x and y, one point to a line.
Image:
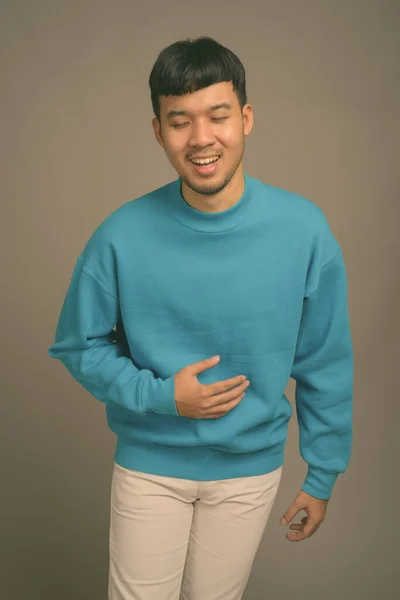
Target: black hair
193	64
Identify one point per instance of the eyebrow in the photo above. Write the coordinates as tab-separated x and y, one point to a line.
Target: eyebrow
179	113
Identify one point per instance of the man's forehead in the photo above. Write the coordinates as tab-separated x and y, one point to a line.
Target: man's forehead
205	100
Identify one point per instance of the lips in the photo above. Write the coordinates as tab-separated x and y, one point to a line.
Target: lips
206	169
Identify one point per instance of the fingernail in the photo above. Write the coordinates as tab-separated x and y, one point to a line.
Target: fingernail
283	521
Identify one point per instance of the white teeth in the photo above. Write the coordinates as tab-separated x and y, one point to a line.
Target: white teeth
205	161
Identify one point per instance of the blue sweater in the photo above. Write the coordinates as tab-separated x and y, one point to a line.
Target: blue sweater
160	285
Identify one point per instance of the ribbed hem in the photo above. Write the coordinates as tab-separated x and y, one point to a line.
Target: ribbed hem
198	463
158	396
319	483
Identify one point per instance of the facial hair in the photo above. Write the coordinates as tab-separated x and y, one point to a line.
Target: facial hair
210	189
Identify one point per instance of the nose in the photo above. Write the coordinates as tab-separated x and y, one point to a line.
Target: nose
201	134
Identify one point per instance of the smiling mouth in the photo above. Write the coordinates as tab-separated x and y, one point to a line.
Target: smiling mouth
205	167
205	161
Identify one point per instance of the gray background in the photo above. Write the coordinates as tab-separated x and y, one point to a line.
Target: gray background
77	142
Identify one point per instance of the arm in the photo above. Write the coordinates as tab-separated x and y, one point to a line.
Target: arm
323	370
83	343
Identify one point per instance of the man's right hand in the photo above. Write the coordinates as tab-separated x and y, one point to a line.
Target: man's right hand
206	401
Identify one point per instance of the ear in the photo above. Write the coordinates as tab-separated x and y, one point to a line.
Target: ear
248	119
157	131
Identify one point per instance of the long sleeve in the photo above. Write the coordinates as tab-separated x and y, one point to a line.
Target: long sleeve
323	370
84	344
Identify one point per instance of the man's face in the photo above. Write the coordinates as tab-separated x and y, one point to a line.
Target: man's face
206	123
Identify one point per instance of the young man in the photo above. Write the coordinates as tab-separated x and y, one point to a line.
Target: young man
214	264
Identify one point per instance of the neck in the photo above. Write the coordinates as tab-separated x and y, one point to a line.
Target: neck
223	200
218	220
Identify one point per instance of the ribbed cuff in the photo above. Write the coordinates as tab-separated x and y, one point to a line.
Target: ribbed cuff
319	483
158	396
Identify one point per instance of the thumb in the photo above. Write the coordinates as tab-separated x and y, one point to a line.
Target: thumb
290	514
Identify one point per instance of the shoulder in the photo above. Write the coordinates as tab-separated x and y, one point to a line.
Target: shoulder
102	253
291	205
299	217
123	222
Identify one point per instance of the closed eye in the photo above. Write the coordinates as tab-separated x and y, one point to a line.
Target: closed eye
179	125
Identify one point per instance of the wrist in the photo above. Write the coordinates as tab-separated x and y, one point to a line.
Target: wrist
319	482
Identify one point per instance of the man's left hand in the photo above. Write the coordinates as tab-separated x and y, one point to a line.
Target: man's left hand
315	510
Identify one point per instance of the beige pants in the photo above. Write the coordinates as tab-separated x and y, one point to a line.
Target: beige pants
177	539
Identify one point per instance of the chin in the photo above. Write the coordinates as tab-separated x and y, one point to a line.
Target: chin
209	187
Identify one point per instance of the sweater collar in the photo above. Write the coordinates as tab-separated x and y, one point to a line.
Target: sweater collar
205	221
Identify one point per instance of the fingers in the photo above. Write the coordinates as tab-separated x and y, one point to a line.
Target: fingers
299	531
311	527
298	526
302	533
231	395
290	513
212	389
315	510
221	409
303	530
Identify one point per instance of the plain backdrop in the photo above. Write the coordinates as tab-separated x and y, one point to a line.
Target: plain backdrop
76	143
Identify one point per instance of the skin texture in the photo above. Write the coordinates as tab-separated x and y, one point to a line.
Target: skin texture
204	132
315	510
198	133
